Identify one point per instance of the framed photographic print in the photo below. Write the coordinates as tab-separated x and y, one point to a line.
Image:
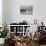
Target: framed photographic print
26	10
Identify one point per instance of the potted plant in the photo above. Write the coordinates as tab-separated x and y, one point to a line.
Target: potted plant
3	34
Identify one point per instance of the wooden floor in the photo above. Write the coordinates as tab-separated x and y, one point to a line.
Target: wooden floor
42	45
32	45
1	45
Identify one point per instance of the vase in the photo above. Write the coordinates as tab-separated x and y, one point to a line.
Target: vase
2	40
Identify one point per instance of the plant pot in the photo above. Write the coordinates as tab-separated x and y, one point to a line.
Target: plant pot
2	40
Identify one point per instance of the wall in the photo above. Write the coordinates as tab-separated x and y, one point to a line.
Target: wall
12	11
0	13
4	11
15	14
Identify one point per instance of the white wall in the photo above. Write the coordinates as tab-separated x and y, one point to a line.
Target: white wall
0	13
12	11
4	11
15	15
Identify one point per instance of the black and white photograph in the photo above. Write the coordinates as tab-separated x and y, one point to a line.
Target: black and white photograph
26	10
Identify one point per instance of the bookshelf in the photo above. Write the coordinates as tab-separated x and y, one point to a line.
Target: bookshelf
18	29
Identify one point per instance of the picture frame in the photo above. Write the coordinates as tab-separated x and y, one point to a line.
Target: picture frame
26	10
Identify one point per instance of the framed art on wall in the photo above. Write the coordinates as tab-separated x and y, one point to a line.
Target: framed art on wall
26	10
